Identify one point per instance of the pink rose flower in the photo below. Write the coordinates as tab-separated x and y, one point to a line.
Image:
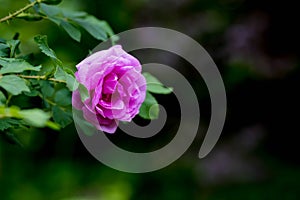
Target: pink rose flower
116	88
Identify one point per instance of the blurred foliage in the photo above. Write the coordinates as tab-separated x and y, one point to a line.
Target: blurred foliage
255	46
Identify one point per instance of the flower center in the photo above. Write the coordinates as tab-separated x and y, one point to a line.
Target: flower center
106	97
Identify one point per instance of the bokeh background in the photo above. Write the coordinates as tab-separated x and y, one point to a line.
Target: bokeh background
255	46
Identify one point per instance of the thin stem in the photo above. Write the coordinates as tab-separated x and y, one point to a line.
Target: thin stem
48	101
42	78
8	99
51	102
10	16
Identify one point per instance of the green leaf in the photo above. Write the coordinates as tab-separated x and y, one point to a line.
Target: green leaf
13	45
35	117
71	82
6	123
99	29
60	74
155	86
29	17
149	109
84	93
42	43
2	98
56	15
93	26
32	93
63	97
47	91
18	86
69	20
61	21
158	89
109	30
70	29
51	2
50	11
46	88
4	50
14	65
61	117
9	112
70	14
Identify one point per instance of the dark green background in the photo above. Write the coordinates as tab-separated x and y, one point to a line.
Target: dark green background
254	44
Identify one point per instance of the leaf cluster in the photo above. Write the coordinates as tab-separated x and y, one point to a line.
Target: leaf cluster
40	95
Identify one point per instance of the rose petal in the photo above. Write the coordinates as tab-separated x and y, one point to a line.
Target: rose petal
91	117
76	100
111	81
107	125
